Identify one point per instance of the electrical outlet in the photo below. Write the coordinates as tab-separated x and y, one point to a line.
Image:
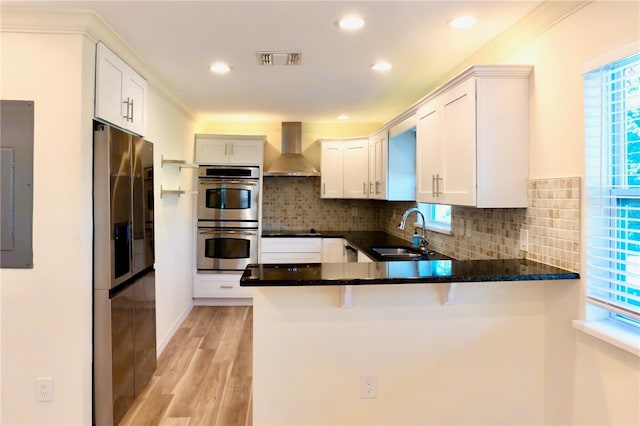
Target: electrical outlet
45	388
524	240
368	387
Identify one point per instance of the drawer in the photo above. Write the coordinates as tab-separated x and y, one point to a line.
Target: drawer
296	257
220	285
291	245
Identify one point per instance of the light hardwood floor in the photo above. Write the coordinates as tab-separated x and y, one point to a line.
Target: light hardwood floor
204	375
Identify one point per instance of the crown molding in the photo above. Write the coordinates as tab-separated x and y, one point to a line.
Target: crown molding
89	24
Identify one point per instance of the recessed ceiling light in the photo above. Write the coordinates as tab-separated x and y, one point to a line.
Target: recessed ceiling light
381	66
343	117
463	22
351	23
220	68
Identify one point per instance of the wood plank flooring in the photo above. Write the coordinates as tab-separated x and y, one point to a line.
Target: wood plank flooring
204	375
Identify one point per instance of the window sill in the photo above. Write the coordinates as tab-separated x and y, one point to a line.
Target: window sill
434	227
614	332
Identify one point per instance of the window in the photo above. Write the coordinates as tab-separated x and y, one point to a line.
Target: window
612	173
438	217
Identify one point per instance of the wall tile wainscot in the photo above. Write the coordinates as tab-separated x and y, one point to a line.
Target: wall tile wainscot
552	220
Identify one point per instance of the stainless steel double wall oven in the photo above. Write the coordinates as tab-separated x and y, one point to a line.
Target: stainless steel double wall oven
228	212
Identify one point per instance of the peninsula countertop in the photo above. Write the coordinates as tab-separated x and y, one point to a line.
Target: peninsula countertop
396	272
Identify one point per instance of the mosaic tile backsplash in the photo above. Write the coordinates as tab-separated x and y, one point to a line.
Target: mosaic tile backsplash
552	220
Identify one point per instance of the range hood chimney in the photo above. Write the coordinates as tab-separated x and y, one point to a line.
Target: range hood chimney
291	162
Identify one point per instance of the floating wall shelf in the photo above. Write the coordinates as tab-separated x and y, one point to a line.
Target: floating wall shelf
182	164
177	192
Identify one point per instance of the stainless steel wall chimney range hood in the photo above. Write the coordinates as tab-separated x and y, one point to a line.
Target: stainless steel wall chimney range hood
291	162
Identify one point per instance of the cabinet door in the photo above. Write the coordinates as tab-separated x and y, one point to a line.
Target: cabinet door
428	151
212	151
110	80
378	166
134	92
458	145
331	176
246	152
333	250
356	170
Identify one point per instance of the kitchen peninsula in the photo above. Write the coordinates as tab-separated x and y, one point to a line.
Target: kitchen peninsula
422	354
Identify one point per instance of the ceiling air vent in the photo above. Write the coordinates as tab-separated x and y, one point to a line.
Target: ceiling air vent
268	59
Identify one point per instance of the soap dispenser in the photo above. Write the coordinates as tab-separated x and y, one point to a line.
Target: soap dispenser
415	239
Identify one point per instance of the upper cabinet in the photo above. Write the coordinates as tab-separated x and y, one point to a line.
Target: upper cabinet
229	149
344	168
378	145
392	162
355	168
120	92
472	139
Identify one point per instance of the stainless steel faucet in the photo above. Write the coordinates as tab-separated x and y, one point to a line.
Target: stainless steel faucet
423	239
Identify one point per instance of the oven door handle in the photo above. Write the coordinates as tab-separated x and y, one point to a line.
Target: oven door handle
222	231
227	182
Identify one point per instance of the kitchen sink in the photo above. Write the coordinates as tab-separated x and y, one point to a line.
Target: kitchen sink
406	253
396	251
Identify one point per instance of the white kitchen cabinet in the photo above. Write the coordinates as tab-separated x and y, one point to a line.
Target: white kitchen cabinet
291	250
223	285
344	168
378	145
333	250
229	149
120	92
331	170
472	139
392	163
355	165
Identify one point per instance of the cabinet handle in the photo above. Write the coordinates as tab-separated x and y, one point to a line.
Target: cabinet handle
226	286
370	187
231	149
377	185
364	187
127	104
433	186
324	189
131	111
226	145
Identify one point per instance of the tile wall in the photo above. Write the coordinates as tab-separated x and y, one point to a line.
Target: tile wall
294	204
552	220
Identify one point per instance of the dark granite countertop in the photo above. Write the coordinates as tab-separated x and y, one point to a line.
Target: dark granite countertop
398	272
404	272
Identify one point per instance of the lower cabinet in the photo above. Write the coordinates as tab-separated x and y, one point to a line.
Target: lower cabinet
222	285
291	250
333	250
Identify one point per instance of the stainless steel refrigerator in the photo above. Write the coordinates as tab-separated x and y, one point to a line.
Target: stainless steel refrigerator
124	315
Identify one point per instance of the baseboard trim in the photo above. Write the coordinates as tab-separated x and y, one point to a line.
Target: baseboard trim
223	301
173	330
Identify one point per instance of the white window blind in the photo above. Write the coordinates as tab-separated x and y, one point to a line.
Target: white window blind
612	173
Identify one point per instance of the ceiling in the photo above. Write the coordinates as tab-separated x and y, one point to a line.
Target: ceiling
181	39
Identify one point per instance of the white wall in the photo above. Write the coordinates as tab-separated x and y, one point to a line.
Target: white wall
587	380
479	361
171	132
46	313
